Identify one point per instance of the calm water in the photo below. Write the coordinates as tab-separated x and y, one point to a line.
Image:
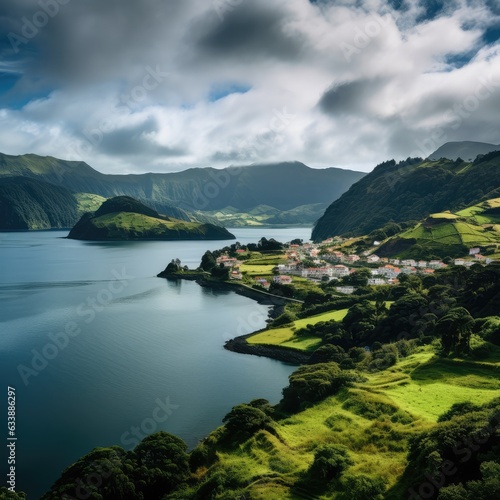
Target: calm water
139	340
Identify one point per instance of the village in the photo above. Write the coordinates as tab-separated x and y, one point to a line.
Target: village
320	262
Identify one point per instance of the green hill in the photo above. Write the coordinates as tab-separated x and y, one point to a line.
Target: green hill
123	218
410	191
449	234
282	186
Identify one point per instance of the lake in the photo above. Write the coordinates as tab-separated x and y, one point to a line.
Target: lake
97	347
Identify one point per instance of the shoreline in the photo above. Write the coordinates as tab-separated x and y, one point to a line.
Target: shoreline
239	344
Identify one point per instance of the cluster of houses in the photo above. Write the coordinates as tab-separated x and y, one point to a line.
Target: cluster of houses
330	264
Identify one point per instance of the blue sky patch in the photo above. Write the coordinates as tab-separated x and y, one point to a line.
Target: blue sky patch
220	91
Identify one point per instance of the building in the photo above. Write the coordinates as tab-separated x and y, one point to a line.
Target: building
339	271
282	279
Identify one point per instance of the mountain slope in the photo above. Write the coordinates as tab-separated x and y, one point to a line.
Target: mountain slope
410	190
449	234
284	186
30	204
467	150
123	218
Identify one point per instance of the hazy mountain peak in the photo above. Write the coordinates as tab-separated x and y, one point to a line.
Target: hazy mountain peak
467	150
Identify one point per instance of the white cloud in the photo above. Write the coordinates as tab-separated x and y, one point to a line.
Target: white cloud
127	85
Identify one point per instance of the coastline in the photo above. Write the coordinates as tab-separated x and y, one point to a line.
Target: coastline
239	344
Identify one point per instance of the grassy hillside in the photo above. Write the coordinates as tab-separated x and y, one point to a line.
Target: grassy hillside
123	218
88	202
449	234
353	423
410	191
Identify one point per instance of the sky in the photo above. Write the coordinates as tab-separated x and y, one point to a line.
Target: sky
132	86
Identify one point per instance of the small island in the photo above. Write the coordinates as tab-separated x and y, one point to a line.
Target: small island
123	218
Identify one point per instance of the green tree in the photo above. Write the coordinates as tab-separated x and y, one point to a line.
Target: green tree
246	420
312	383
6	494
162	463
330	461
208	261
455	330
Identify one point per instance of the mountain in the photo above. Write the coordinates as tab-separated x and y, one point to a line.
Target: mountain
32	204
467	150
123	218
410	191
449	234
283	186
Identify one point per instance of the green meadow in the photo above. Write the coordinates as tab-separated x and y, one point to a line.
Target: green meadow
286	337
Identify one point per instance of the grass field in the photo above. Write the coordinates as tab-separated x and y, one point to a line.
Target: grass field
139	222
374	420
286	336
88	202
261	265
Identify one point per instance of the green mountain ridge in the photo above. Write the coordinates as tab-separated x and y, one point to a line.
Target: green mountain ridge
123	218
284	186
409	191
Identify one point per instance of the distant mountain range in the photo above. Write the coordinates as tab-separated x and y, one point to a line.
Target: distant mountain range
270	189
410	191
467	150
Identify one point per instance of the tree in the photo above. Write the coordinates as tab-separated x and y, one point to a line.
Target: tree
102	473
163	463
312	383
330	461
358	278
220	272
455	330
327	353
208	261
6	494
246	420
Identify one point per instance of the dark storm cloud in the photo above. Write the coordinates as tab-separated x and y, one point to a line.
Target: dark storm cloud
96	40
349	98
133	141
251	30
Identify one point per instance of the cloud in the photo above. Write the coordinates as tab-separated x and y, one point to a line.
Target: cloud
163	86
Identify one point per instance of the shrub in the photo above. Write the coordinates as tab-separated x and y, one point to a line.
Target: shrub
330	461
363	487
